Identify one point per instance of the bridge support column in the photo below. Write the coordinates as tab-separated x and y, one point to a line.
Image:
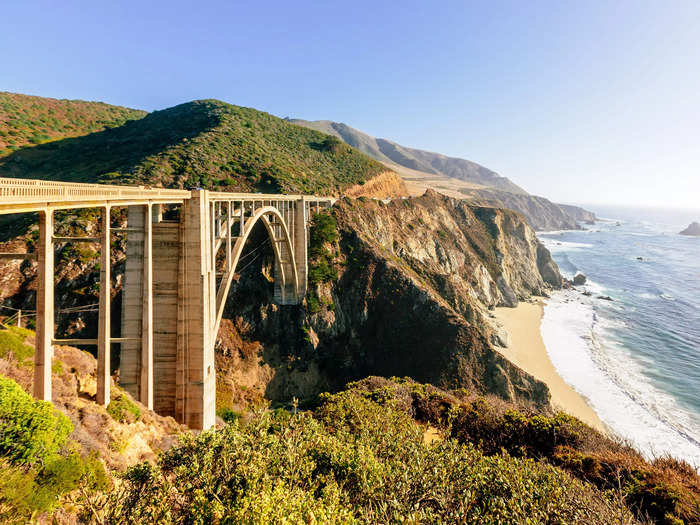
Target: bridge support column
104	322
132	302
196	383
43	351
300	239
146	382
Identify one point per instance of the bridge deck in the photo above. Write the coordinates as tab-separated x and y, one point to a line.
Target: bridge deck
28	195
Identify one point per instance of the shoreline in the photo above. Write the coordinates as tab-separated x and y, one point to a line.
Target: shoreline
527	350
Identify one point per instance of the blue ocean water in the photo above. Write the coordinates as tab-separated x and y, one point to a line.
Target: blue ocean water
636	358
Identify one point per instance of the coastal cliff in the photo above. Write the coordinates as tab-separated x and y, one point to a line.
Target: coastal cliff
401	288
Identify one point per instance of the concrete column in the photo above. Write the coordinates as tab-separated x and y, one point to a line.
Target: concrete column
157	213
196	384
43	351
300	245
104	324
132	302
166	261
146	379
229	223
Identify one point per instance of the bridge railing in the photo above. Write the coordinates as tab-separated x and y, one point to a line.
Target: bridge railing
22	190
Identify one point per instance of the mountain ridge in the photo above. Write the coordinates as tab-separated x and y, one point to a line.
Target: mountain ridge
479	183
389	151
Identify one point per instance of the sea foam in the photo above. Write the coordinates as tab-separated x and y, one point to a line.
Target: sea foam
582	350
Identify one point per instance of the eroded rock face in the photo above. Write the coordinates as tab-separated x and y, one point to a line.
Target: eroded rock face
416	278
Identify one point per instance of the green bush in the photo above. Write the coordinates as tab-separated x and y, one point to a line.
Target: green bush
31	431
354	460
12	341
228	414
123	409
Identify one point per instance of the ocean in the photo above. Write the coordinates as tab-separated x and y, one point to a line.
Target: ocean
635	359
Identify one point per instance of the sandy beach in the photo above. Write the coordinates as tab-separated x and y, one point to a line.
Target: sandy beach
527	350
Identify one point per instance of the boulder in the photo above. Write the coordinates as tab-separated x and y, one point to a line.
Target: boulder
579	279
693	230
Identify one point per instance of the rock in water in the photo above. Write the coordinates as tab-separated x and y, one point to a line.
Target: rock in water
579	279
692	230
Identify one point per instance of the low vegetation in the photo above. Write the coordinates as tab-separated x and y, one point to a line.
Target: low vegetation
123	409
39	466
206	143
26	121
666	490
13	341
323	235
353	460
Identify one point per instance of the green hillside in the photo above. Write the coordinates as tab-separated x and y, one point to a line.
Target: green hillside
204	143
27	121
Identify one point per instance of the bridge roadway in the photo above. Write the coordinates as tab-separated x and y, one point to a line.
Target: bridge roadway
170	317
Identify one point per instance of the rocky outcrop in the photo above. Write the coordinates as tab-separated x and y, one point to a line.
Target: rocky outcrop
547	267
693	230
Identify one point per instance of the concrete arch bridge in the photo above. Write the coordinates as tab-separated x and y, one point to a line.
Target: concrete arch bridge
177	276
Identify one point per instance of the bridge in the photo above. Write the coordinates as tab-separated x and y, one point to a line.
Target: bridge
177	276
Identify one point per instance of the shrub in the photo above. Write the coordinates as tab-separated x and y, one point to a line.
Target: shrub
355	460
228	414
12	341
123	409
332	144
31	431
323	230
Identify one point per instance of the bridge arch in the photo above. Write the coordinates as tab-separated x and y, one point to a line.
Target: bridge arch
282	247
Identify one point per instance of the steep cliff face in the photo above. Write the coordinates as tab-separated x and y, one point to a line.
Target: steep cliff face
415	280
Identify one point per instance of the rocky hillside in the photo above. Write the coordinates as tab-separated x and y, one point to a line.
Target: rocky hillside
484	185
541	213
204	143
398	289
27	121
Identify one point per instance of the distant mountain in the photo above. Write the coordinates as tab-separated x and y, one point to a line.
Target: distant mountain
578	213
481	184
425	161
204	143
26	120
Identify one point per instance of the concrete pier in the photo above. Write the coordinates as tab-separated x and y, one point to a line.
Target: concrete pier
176	281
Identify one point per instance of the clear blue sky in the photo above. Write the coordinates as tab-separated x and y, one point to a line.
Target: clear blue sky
578	101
